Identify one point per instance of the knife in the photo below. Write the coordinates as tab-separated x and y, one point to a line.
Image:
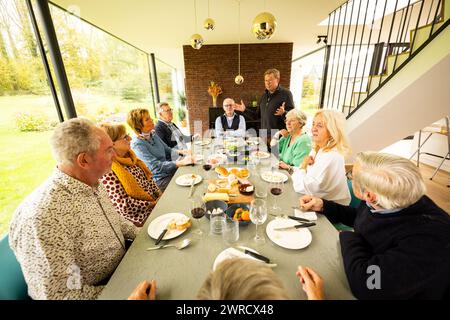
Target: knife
162	234
297	226
254	254
192	188
299	219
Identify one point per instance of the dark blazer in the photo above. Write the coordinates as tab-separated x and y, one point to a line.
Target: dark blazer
164	132
410	248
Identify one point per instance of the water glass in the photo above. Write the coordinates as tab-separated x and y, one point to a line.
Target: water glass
216	223
230	232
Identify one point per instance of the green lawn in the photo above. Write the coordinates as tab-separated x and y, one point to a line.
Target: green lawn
26	161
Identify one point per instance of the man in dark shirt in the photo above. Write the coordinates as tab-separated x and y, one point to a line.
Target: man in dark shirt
400	246
273	105
167	130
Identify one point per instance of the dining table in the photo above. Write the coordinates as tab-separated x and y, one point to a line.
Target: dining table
180	273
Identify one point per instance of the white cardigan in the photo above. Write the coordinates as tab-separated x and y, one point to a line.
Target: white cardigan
325	178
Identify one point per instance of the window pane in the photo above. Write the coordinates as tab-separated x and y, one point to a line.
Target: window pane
27	111
107	76
307	81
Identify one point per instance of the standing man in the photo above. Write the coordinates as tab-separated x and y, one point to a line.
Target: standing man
230	123
167	130
273	105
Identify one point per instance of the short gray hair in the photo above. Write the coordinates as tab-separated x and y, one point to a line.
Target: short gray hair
299	115
242	279
73	137
396	181
160	105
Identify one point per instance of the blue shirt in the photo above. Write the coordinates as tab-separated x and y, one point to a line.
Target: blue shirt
157	156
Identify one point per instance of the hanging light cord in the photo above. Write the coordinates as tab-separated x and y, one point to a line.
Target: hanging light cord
239	36
208	10
195	9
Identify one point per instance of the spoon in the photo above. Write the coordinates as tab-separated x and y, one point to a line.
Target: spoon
179	245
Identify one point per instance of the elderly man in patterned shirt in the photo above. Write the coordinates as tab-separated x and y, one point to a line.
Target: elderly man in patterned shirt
66	235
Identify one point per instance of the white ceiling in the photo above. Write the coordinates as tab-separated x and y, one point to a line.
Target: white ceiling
164	26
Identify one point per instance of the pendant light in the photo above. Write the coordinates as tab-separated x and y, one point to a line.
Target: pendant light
239	79
196	39
264	25
209	23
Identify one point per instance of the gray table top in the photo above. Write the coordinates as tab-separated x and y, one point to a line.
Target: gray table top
180	273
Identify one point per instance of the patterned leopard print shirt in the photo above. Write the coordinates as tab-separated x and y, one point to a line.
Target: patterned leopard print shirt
134	210
68	238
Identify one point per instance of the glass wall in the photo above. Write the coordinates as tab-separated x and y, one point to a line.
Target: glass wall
27	111
107	76
306	81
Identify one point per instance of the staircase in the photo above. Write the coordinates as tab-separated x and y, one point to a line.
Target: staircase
396	87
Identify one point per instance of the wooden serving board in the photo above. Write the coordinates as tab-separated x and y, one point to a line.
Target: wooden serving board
240	198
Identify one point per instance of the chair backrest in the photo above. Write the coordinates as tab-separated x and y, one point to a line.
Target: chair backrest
355	201
12	282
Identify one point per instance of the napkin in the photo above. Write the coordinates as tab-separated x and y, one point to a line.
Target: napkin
234	253
310	215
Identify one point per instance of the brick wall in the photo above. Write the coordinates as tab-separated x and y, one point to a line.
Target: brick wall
219	63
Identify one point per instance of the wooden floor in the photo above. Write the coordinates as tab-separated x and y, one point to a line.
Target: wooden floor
437	188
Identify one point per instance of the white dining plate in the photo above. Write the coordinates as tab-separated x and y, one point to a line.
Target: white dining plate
233	253
186	179
260	154
289	239
274	176
160	223
229	170
203	142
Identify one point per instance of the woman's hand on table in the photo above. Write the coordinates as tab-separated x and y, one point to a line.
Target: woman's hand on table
283	165
309	202
144	291
311	282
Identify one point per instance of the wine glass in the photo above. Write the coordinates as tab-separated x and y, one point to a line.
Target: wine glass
197	212
258	215
276	189
207	166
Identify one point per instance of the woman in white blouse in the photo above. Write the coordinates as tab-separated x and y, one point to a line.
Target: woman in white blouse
323	171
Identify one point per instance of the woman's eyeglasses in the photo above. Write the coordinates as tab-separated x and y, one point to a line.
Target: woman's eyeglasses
125	137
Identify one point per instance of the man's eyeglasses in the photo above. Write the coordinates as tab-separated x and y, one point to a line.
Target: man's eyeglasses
168	110
227	105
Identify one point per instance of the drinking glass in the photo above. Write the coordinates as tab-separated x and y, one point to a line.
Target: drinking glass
197	212
276	189
258	215
230	232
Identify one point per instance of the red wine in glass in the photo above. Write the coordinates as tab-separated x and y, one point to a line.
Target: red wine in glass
276	191
197	213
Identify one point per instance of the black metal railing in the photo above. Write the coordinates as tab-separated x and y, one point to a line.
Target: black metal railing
368	40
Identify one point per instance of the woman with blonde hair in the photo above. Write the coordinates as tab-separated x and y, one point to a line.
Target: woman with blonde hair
130	184
322	173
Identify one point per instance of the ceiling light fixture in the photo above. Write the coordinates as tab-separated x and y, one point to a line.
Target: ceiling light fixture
239	79
264	25
209	23
196	39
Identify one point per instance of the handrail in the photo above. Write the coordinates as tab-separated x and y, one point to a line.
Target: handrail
352	79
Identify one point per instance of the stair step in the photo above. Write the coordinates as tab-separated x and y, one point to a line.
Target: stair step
391	60
423	33
374	82
358	95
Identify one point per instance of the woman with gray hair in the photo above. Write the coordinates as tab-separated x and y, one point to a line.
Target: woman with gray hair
400	247
294	147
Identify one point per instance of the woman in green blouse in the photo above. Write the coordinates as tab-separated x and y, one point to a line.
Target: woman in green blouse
297	144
